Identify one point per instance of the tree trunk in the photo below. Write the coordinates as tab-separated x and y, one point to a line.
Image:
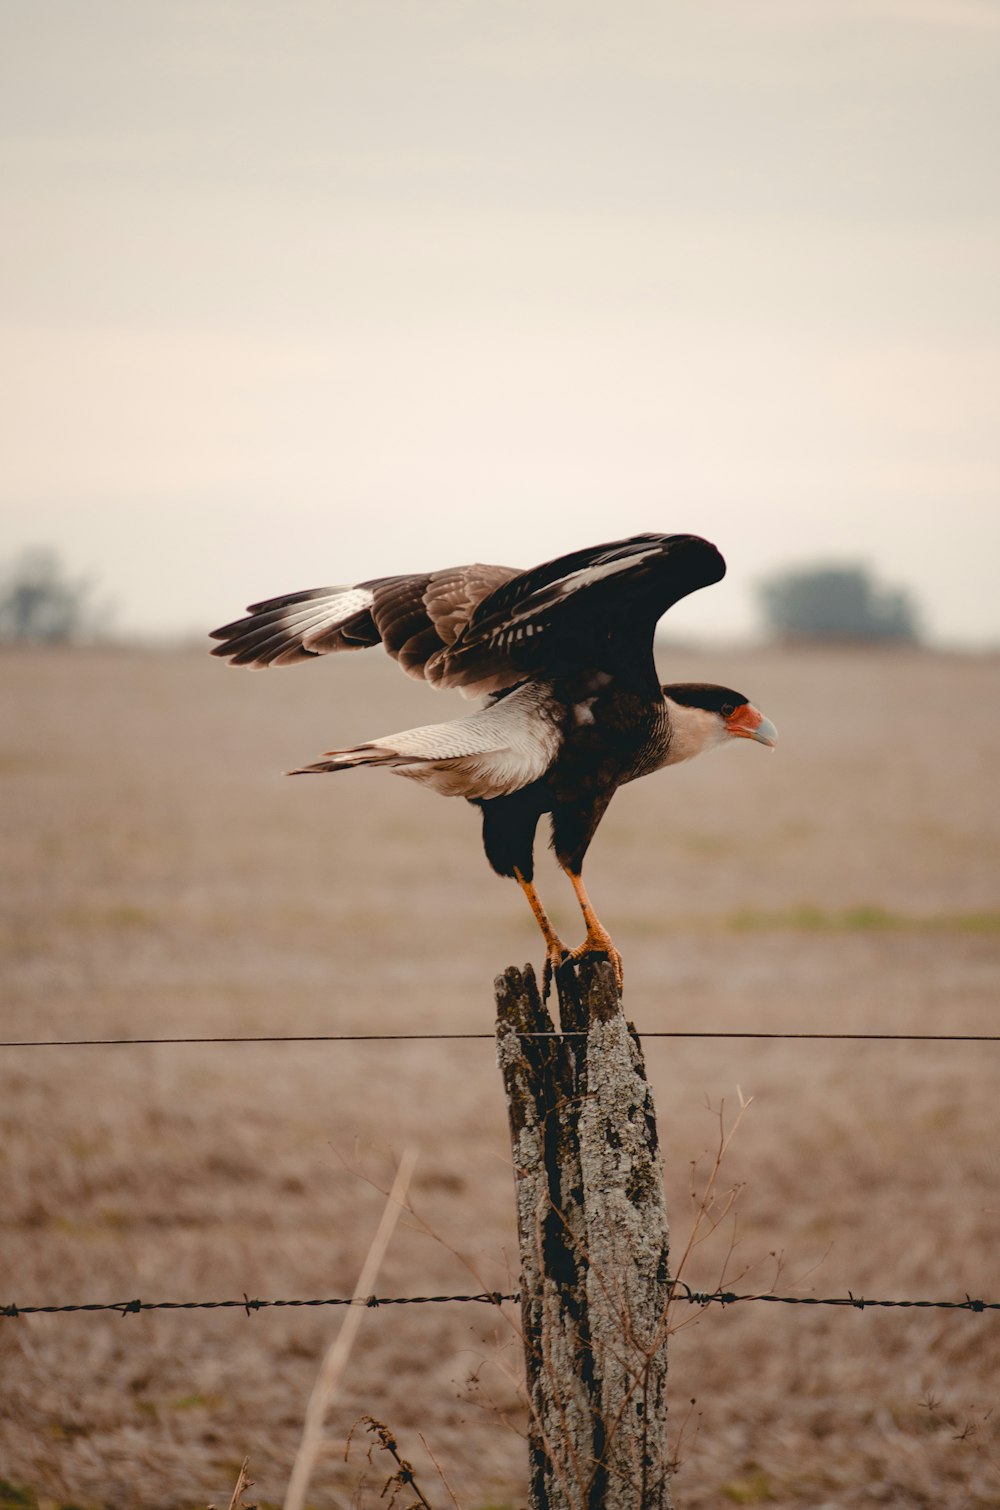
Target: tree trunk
592	1227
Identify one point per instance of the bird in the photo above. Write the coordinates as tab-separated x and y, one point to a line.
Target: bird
571	708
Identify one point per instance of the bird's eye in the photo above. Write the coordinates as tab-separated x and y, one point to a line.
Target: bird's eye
728	709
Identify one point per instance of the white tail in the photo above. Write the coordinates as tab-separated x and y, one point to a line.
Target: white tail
491	753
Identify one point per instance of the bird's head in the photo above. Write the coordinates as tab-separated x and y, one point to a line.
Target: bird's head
703	716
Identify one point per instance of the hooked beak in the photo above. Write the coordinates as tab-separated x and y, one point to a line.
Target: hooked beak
749	722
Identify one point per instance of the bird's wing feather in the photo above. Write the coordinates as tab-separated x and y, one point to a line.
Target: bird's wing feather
414	617
295	627
593	606
483	629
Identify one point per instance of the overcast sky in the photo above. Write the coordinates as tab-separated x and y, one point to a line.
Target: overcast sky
302	291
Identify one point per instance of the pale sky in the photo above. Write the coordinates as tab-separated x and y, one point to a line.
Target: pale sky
295	292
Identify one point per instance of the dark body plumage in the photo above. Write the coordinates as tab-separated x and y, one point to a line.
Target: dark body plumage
563	653
625	734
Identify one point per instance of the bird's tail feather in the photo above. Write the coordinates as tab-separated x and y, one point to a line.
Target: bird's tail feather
490	753
349	760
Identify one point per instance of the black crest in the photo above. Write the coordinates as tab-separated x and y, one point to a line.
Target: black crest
723	700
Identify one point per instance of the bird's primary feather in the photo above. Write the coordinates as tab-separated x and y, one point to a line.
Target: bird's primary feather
414	617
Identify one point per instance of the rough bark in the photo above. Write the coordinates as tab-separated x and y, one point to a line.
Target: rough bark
593	1238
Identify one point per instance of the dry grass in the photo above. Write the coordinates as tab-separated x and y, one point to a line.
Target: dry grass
161	877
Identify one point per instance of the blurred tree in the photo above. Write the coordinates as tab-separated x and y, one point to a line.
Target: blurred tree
40	604
836	603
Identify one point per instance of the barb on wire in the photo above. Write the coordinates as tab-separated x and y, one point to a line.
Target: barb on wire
679	1291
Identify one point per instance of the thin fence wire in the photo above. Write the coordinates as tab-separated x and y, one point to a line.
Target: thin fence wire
679	1291
707	1033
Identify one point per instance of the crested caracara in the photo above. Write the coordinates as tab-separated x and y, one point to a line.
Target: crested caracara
562	654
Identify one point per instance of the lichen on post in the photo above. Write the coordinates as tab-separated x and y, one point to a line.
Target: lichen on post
592	1229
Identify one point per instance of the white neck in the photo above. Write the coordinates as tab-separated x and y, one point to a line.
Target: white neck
692	730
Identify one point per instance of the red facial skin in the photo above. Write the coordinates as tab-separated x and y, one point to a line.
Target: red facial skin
749	722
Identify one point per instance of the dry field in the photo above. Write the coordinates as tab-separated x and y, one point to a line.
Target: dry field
161	877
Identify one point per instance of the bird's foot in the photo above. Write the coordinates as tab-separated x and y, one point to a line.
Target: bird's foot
555	957
599	942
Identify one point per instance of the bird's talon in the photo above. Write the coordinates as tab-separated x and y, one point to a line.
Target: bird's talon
603	950
553	959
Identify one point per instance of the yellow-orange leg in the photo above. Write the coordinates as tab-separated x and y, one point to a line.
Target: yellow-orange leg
555	949
598	940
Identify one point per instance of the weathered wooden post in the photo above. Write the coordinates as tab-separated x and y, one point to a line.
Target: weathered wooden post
593	1238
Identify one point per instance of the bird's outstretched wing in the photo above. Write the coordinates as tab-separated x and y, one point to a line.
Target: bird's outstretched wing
414	617
590	608
482	629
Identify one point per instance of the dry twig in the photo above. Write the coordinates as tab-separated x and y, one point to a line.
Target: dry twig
404	1477
243	1482
332	1368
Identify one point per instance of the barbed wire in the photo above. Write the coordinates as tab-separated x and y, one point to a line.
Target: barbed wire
857	1302
680	1290
706	1033
373	1302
